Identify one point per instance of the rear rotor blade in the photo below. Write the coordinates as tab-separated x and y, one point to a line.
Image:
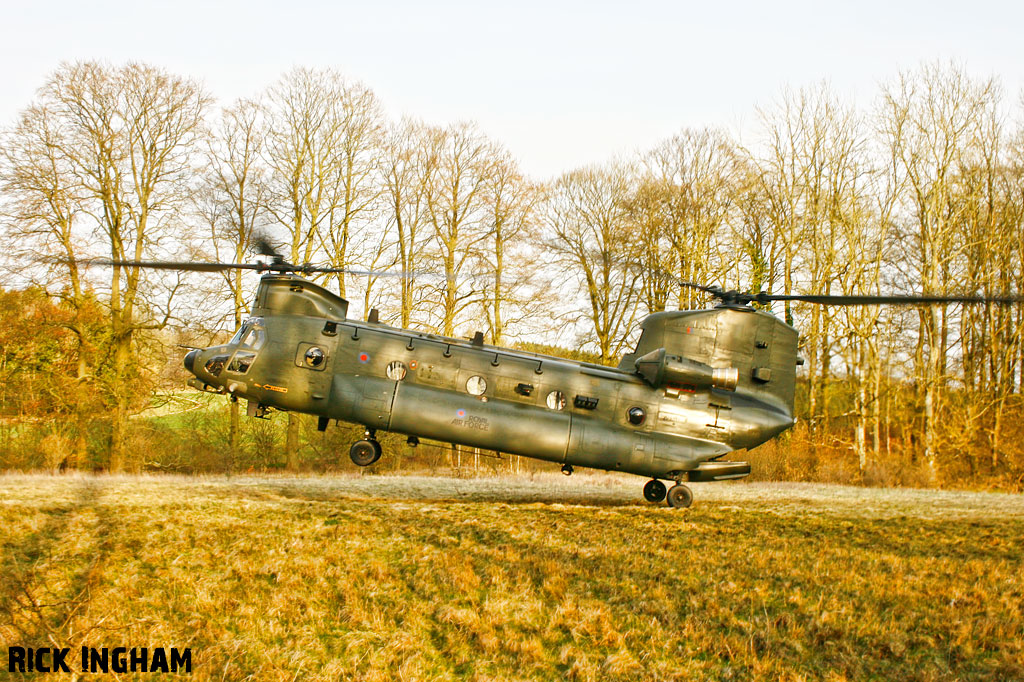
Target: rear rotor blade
741	298
714	291
910	299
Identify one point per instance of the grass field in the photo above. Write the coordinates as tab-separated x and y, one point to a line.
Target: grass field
544	578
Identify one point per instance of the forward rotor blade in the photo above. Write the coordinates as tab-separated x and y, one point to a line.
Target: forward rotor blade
163	264
264	247
364	273
187	266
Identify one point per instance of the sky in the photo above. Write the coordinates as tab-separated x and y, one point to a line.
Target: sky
561	84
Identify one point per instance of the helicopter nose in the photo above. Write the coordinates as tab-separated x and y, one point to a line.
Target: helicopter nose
190	360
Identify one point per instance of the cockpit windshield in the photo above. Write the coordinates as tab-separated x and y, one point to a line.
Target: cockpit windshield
249	338
242	331
251	334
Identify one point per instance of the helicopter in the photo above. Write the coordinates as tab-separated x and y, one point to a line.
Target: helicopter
699	384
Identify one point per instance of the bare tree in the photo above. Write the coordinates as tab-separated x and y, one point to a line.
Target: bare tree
43	202
928	119
455	206
358	149
754	233
512	285
127	137
321	132
407	166
301	150
811	178
234	204
990	233
688	178
588	219
657	258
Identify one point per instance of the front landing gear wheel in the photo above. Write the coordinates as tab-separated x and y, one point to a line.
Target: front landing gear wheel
364	452
679	496
654	491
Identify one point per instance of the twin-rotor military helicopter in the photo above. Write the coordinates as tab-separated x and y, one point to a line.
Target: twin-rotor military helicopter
699	384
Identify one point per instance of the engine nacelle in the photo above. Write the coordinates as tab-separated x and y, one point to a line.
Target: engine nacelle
659	368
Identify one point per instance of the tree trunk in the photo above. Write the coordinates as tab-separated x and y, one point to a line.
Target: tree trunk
291	442
119	417
233	430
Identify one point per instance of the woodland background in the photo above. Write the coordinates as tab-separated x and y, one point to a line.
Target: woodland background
921	191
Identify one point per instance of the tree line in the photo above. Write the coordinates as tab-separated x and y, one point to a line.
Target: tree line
921	192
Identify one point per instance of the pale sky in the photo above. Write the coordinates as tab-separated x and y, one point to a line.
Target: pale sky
561	84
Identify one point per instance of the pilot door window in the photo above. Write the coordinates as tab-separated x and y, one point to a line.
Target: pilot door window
242	361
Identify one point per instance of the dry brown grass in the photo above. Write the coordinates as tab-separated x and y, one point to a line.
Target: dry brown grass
417	578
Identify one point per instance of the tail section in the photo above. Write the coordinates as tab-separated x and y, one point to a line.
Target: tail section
759	346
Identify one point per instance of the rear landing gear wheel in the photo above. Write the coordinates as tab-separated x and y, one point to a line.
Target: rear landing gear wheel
679	496
654	491
364	452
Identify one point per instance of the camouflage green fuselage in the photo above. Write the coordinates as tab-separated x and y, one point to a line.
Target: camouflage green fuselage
313	360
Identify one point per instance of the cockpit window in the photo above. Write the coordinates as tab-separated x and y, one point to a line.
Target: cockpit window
251	334
257	337
242	361
216	364
240	334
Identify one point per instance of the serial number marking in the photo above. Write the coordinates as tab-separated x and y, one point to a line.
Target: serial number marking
279	389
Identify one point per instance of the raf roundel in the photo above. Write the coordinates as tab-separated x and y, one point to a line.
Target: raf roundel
364	358
461	414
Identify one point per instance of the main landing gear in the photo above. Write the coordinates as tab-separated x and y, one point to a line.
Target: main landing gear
654	491
367	451
678	496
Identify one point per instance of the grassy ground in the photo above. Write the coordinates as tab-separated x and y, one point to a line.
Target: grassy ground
415	578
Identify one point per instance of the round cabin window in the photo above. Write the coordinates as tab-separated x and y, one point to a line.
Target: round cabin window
396	370
556	400
476	385
636	415
315	357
